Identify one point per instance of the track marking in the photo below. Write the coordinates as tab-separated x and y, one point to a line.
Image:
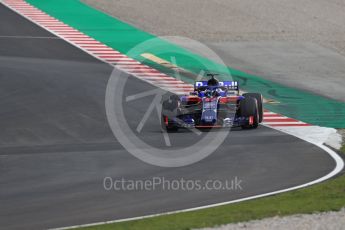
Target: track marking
28	37
339	166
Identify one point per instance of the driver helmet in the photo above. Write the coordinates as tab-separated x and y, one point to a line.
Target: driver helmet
212	82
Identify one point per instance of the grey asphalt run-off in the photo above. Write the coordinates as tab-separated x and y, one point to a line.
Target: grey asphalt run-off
56	146
295	43
301	65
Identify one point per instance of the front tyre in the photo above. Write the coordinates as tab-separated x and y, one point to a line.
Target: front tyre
169	112
167	125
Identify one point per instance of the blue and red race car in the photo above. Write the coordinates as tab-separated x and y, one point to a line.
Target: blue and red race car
213	103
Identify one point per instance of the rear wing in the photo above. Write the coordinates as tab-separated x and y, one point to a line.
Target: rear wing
230	85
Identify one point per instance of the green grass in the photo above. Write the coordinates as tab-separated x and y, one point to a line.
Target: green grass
343	149
327	196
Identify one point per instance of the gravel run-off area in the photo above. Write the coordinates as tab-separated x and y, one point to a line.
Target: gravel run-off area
319	221
317	21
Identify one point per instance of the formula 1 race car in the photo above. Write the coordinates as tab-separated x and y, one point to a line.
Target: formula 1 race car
212	104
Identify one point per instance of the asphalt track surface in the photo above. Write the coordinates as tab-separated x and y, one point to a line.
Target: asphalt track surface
56	146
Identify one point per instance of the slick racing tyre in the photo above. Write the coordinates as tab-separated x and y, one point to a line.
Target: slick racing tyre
249	108
259	100
169	112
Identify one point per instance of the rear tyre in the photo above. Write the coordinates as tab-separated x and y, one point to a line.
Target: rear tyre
249	108
259	101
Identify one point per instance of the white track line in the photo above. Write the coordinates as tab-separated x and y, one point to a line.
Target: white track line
280	118
282	123
28	37
339	166
90	45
